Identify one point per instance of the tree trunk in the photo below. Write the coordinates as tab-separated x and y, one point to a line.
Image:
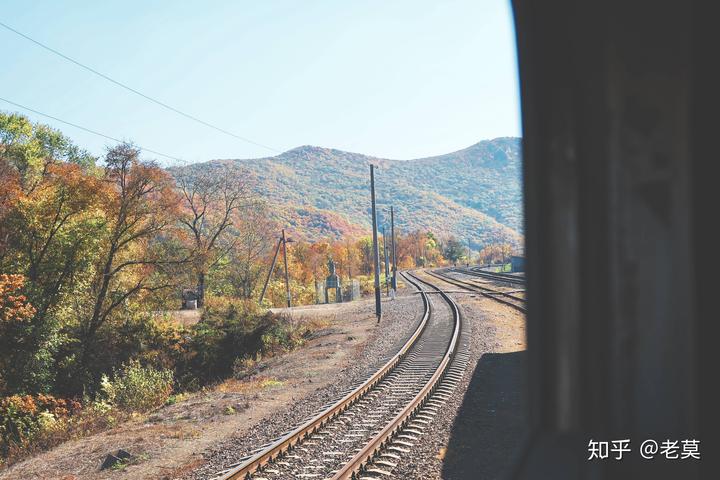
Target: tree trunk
201	289
96	317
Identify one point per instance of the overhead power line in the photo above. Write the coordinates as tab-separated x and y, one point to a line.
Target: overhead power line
90	130
130	89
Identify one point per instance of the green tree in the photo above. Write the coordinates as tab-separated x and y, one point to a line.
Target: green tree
365	249
32	148
453	250
49	221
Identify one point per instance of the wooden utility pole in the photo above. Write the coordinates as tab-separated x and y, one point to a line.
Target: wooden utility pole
287	277
394	253
387	266
376	251
467	264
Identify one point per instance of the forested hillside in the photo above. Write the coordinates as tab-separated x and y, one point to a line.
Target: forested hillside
474	193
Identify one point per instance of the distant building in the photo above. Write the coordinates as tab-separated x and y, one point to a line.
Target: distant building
517	263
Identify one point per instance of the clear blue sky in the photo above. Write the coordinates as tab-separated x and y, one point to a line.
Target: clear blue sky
392	78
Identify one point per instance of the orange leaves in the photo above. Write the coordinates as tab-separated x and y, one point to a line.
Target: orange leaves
9	186
24	418
14	306
34	404
65	192
9	192
495	253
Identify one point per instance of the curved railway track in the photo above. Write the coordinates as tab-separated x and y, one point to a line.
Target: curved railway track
365	433
507	298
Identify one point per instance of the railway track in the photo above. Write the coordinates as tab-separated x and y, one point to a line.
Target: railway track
365	433
508	298
495	276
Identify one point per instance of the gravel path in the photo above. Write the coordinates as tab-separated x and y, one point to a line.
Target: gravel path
400	318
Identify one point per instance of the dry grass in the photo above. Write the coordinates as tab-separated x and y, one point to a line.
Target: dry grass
247	386
88	422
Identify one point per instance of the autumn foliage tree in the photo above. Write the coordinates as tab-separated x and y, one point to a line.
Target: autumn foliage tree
87	240
453	250
15	318
140	204
496	253
100	245
49	219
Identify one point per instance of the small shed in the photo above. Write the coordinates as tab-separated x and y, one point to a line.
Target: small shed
517	263
189	298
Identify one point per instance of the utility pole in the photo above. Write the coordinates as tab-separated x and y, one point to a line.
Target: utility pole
387	266
468	256
376	252
287	277
272	267
394	253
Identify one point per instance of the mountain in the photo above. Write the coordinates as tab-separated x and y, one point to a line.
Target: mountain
474	193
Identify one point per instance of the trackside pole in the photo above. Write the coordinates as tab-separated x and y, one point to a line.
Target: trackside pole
394	254
387	265
376	251
287	277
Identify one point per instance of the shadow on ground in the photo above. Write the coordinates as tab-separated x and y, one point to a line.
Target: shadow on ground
491	425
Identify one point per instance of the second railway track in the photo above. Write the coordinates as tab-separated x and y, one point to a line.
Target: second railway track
508	298
495	276
366	432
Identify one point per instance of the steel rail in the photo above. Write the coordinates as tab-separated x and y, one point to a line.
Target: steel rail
497	276
289	440
485	291
372	449
444	276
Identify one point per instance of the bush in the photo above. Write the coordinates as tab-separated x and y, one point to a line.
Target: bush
231	337
24	418
135	388
367	284
282	334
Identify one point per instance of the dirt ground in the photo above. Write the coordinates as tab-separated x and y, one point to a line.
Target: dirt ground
171	440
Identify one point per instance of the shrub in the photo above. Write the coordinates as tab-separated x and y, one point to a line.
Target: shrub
243	366
24	418
135	388
232	336
282	334
367	284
